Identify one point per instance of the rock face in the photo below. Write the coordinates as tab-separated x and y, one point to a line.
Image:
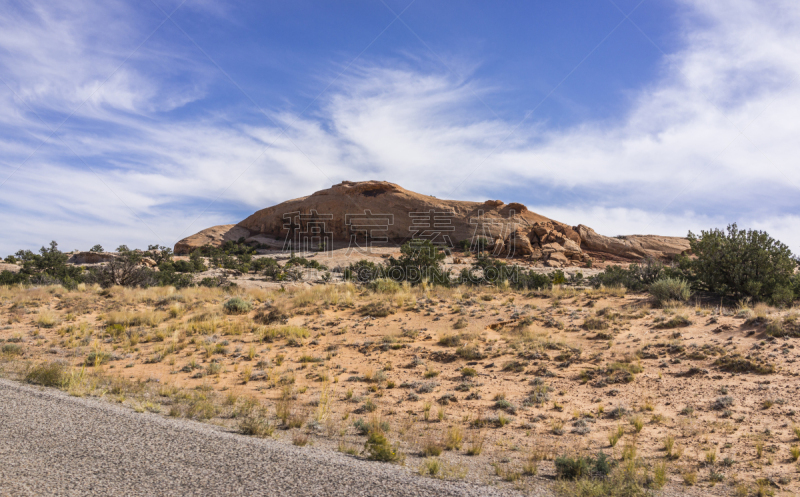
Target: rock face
91	257
374	211
633	246
214	236
379	211
551	243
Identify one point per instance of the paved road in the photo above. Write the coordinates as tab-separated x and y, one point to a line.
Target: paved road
53	444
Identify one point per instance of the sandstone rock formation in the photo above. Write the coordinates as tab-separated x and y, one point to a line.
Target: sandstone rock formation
90	257
373	211
214	236
382	212
633	246
552	243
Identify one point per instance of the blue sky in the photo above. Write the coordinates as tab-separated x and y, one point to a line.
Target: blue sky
144	122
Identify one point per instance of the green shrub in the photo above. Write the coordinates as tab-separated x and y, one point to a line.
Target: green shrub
572	468
49	266
636	277
474	244
12	349
378	448
47	374
736	363
667	289
9	278
97	358
420	260
363	271
742	263
256	425
236	305
492	271
384	285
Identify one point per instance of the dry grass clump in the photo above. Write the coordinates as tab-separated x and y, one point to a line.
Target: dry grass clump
256	424
150	318
760	314
377	309
737	363
47	319
679	321
11	349
277	313
385	286
606	291
47	374
670	290
343	294
272	333
595	323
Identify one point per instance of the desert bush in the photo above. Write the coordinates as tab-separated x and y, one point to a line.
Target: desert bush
568	467
470	352
287	331
363	271
378	448
492	271
723	402
47	319
674	322
420	260
595	323
453	438
385	285
9	278
635	277
256	425
450	340
47	374
97	358
236	305
736	363
12	349
49	266
670	289
377	310
275	314
742	263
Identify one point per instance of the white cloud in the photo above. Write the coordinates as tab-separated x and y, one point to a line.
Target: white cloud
676	161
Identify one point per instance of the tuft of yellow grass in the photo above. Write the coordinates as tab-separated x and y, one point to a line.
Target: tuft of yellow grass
47	318
272	333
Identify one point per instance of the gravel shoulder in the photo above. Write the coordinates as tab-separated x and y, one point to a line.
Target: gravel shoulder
54	444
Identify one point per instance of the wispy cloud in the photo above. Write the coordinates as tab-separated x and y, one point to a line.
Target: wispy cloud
712	141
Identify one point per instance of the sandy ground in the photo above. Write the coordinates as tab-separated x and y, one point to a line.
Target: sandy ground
410	365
